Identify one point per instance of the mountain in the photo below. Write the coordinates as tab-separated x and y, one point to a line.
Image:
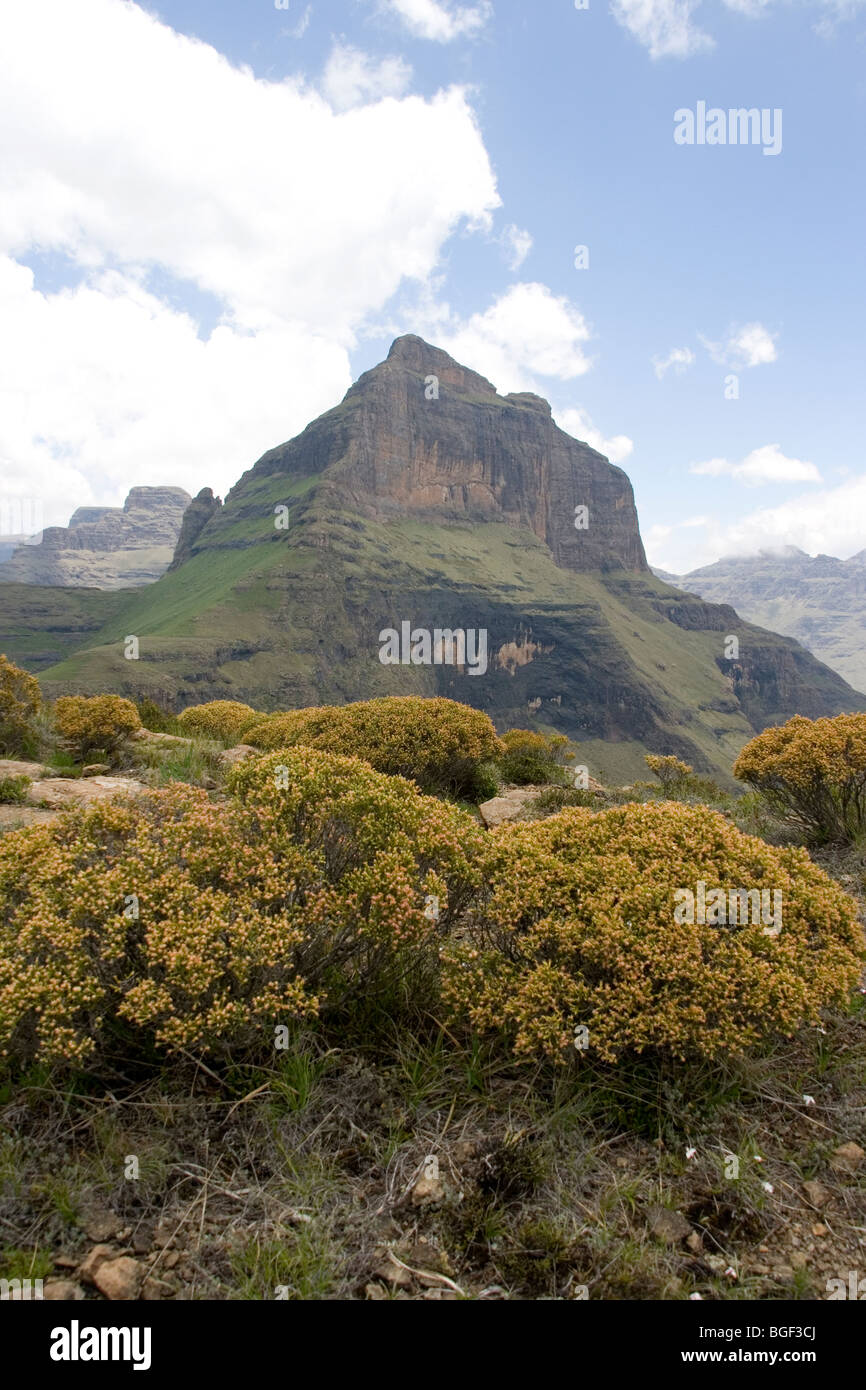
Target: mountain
105	547
425	498
821	601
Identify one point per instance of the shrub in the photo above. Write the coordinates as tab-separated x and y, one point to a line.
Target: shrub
13	790
221	719
191	924
94	724
671	772
155	717
20	701
580	929
531	757
812	774
438	743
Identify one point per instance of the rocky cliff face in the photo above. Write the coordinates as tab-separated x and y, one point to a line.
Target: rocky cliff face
427	501
820	601
200	511
420	436
105	547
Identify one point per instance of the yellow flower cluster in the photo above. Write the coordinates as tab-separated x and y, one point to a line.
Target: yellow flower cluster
202	925
579	928
438	743
813	774
20	700
532	757
227	720
96	724
669	770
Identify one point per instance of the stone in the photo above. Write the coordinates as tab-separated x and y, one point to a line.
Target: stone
816	1192
695	1242
119	1280
507	806
847	1158
427	1191
100	1225
61	794
230	757
95	769
92	1261
62	1291
668	1226
9	767
196	517
106	547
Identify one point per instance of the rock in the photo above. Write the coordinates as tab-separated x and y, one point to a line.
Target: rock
119	1280
847	1158
241	751
92	1261
106	547
508	806
95	769
62	1291
10	768
816	1193
161	740
100	1225
819	1230
60	794
426	1191
669	1226
375	1293
695	1242
393	1274
196	517
799	1259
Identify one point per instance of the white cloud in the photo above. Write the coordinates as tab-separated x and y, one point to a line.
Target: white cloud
298	30
517	244
215	185
764	465
576	422
830	522
352	78
432	19
664	27
526	332
748	345
678	358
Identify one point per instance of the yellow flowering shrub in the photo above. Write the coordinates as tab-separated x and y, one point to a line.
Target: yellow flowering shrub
670	771
176	921
94	724
580	929
222	719
531	757
812	773
438	743
20	701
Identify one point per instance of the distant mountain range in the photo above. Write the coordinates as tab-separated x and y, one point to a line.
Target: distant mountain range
102	547
422	511
821	601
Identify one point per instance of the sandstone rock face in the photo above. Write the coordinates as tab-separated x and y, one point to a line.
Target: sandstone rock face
61	793
196	517
106	547
395	448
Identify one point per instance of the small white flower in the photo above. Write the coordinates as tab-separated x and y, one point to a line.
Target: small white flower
690	1153
757	1158
695	1298
809	1100
767	1186
731	1272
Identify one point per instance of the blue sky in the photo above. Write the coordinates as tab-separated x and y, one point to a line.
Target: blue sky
202	243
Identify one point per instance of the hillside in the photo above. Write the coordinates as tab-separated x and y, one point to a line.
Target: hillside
821	601
427	498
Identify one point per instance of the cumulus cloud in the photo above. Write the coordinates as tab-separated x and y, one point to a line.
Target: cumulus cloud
525	333
764	465
678	358
829	522
517	244
664	27
576	422
352	77
214	189
747	345
432	19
